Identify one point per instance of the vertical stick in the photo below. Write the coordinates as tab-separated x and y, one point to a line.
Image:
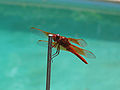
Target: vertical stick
49	62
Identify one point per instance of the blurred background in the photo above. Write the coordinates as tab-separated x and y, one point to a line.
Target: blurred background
23	63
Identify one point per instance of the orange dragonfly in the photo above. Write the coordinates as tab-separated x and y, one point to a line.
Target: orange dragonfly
63	43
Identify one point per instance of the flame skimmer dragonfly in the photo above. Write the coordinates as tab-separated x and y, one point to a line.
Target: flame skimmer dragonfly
63	43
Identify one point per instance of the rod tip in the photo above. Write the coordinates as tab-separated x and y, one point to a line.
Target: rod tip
50	35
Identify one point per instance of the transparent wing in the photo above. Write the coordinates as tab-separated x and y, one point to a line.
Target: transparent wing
81	51
79	42
42	43
84	52
37	34
46	33
45	43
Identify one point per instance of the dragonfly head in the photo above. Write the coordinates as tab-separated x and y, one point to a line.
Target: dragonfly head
56	37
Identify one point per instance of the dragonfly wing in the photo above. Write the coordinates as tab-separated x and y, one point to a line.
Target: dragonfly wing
80	42
89	54
44	43
84	52
46	33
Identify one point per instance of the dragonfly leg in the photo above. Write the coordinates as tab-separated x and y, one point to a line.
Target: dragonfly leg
54	45
57	52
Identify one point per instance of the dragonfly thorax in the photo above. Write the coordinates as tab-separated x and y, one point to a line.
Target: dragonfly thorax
63	41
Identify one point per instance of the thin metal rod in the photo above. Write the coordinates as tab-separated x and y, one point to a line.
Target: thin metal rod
49	62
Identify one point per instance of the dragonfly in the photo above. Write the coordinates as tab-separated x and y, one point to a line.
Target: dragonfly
64	43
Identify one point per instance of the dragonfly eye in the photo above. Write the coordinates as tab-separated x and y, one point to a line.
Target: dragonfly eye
57	36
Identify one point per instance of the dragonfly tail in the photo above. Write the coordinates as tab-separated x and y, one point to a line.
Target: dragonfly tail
81	58
74	52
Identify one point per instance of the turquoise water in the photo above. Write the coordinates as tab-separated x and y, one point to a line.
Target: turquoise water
23	62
